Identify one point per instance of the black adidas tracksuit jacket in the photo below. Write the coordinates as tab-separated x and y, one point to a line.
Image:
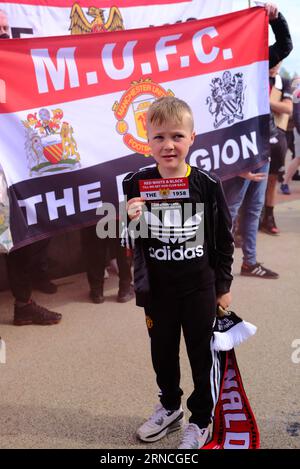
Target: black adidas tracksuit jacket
207	189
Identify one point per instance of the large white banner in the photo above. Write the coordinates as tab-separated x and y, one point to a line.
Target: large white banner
60	17
73	124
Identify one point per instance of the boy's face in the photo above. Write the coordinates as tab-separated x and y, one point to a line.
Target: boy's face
170	142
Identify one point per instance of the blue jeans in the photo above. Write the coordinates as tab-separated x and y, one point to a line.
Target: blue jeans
239	191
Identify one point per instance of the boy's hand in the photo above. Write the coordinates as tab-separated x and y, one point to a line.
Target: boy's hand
224	300
134	208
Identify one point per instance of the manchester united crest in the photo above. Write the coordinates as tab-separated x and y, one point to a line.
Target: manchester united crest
149	322
227	98
164	193
81	25
131	110
50	144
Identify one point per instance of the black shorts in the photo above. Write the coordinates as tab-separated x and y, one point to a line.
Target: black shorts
277	152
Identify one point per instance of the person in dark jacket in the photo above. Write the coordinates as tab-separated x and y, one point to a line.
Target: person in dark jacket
283	44
281	103
182	264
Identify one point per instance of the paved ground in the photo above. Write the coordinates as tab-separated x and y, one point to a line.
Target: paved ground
88	382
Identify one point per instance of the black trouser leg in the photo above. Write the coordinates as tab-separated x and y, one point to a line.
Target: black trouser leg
164	330
123	260
94	250
18	269
197	314
124	266
39	260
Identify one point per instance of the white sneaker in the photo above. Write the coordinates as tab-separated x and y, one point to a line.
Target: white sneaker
162	421
194	437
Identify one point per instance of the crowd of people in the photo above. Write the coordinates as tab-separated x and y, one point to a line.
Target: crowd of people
252	195
172	297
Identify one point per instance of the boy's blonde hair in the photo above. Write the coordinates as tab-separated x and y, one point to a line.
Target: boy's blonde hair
169	109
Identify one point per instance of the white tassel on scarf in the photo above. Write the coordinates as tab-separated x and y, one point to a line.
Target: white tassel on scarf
230	330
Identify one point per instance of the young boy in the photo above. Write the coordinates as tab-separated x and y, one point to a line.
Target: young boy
178	279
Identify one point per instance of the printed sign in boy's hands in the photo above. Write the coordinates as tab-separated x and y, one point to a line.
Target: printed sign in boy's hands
135	207
164	188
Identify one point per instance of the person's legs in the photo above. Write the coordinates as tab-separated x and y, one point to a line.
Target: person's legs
268	224
235	190
162	319
293	136
293	166
237	228
197	316
277	152
198	313
126	291
124	266
39	259
26	311
18	269
252	206
124	261
164	329
94	251
39	267
271	190
251	194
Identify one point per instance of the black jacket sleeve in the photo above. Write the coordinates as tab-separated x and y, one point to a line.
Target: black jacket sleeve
224	244
283	45
126	239
141	278
128	186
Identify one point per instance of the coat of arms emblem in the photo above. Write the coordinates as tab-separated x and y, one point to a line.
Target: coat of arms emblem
81	25
227	98
50	144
